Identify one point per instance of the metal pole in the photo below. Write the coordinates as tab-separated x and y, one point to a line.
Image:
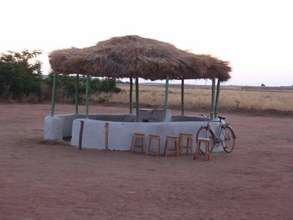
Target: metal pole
137	98
53	95
130	95
213	99
217	99
166	96
182	97
87	95
76	93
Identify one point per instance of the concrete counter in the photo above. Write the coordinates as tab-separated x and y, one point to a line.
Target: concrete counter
120	133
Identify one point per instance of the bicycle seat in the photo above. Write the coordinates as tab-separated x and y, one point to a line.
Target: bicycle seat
221	117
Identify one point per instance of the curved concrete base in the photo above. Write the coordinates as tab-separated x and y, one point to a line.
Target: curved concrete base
120	128
53	128
59	126
120	133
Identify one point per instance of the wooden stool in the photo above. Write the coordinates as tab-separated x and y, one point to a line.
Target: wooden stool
137	143
185	138
153	138
176	150
206	142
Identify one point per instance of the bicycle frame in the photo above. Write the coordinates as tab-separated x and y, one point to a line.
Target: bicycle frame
217	129
217	133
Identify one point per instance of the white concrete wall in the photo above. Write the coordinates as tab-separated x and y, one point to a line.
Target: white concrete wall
120	133
59	126
53	128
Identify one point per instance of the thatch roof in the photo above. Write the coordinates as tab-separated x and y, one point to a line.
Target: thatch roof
134	56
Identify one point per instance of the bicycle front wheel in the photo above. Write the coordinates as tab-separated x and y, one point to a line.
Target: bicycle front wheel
229	139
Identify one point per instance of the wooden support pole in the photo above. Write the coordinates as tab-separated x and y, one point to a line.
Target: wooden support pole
137	98
182	97
106	136
53	95
216	111
87	88
76	93
130	95
80	135
213	99
166	97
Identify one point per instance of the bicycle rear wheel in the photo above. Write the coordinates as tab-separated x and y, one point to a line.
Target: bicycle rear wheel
205	132
229	139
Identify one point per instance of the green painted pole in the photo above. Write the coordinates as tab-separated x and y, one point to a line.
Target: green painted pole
76	93
53	95
130	95
87	95
213	99
182	97
217	98
137	98
166	97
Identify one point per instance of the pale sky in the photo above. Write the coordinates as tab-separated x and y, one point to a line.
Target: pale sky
255	36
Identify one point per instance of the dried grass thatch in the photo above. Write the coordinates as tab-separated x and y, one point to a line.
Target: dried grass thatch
134	56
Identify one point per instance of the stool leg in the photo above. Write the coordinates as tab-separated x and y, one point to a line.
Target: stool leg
197	151
187	145
190	145
180	143
207	151
166	147
177	148
159	147
143	149
148	147
132	143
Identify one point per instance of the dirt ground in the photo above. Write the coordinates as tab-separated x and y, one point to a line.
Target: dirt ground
41	181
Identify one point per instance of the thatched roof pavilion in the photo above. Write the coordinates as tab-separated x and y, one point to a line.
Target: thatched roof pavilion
134	56
137	57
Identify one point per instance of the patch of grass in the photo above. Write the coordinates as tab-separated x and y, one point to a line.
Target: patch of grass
199	98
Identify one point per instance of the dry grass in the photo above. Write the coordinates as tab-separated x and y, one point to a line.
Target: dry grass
134	56
199	98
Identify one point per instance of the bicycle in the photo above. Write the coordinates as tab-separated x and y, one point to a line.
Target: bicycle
224	136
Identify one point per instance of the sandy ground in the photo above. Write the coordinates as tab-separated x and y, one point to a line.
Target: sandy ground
41	181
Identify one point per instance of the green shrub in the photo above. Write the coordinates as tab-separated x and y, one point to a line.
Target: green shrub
66	84
21	77
20	74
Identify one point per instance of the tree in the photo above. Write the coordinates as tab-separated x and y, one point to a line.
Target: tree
20	74
65	85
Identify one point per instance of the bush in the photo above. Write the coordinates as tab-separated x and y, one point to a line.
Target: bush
20	75
66	86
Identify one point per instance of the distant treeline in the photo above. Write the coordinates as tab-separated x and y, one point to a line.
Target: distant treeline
21	79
